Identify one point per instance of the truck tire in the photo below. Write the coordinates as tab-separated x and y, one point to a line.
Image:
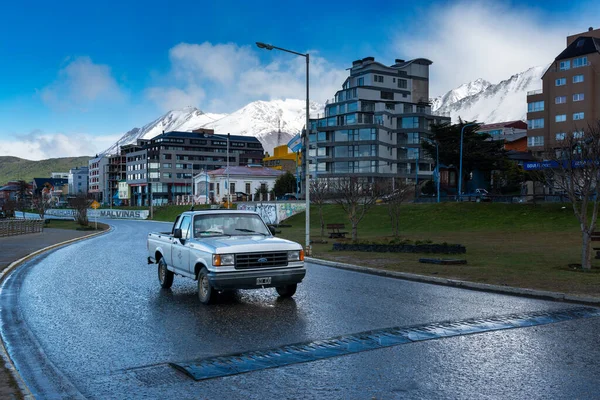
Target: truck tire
286	291
165	277
205	291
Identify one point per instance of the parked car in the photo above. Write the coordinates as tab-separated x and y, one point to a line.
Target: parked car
477	195
288	196
224	250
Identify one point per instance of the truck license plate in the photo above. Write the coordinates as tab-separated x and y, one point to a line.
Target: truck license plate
263	281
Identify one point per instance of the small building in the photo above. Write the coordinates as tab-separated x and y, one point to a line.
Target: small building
78	181
244	183
283	159
503	128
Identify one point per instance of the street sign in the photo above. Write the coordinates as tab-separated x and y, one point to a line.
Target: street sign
95	205
295	144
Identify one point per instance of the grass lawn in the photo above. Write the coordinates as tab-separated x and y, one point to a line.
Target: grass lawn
67	224
507	244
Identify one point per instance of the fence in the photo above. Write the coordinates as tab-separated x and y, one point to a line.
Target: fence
12	227
524	199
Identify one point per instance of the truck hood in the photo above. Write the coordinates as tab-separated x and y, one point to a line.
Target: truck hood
246	244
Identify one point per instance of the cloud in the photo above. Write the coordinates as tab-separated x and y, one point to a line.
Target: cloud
481	39
224	77
38	145
80	85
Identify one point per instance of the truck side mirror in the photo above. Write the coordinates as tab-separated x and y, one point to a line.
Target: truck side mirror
177	234
272	229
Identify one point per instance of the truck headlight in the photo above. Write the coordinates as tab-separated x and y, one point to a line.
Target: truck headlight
220	260
296	255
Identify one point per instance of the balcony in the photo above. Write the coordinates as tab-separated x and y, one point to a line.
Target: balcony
534	92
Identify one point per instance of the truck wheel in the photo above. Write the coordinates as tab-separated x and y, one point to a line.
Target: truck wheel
286	291
165	277
205	291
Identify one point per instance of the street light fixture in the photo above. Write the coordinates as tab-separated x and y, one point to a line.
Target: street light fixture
306	138
461	158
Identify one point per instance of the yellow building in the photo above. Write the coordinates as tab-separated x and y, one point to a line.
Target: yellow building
282	159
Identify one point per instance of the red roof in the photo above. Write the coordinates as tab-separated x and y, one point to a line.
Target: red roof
518	124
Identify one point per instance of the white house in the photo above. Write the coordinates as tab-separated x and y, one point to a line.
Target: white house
244	181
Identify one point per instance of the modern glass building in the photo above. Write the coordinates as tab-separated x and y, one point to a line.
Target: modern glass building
374	125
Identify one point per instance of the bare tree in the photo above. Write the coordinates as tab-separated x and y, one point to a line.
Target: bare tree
356	196
22	196
41	203
319	192
398	191
81	204
575	170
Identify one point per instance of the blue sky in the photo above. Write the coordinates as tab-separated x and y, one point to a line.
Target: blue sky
76	75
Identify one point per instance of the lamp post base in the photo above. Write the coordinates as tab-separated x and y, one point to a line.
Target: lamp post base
308	251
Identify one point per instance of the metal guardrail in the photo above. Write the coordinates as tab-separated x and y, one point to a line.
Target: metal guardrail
13	227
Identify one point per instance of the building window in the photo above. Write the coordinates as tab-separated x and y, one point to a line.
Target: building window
578	79
166	175
410	122
578	116
378	78
578	97
560	136
560	118
565	65
387	95
402	83
578	134
535	106
390	106
560	99
169	165
561	81
360	82
535	123
580	62
535	141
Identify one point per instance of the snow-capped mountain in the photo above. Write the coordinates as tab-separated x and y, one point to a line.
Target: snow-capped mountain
262	119
464	90
505	101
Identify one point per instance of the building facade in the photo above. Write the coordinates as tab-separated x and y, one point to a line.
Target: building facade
244	183
374	125
570	96
283	159
97	183
78	181
162	168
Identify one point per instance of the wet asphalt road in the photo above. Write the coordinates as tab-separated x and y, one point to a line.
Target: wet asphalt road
92	319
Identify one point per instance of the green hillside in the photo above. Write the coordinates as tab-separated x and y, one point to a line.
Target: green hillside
14	168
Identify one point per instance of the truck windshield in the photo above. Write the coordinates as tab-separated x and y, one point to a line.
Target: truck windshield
229	225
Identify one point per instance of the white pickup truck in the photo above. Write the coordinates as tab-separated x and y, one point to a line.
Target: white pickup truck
226	249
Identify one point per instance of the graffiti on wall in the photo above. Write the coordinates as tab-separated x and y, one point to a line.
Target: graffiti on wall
273	213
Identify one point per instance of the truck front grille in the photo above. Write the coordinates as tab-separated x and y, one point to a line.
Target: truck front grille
261	260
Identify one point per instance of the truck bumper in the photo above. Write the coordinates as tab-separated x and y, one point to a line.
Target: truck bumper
248	279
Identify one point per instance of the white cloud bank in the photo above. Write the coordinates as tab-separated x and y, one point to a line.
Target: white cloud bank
483	39
38	145
223	77
80	85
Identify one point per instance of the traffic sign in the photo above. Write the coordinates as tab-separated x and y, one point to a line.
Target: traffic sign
95	205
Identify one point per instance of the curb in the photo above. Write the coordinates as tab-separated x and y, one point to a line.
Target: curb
483	287
8	363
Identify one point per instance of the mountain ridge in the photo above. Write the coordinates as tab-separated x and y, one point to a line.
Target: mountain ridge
15	168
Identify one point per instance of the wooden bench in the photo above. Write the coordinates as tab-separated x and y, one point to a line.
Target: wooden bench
334	230
596	238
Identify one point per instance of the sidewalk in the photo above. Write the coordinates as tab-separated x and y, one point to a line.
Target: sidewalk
13	248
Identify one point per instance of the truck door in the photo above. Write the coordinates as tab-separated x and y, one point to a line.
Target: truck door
179	250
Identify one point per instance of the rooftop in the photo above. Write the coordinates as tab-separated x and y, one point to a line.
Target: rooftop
248	171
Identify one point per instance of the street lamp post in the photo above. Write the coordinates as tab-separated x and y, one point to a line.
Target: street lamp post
461	158
306	138
437	167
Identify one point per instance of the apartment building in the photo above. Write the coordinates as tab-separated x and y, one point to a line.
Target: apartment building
163	167
374	126
570	96
97	184
78	181
283	159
